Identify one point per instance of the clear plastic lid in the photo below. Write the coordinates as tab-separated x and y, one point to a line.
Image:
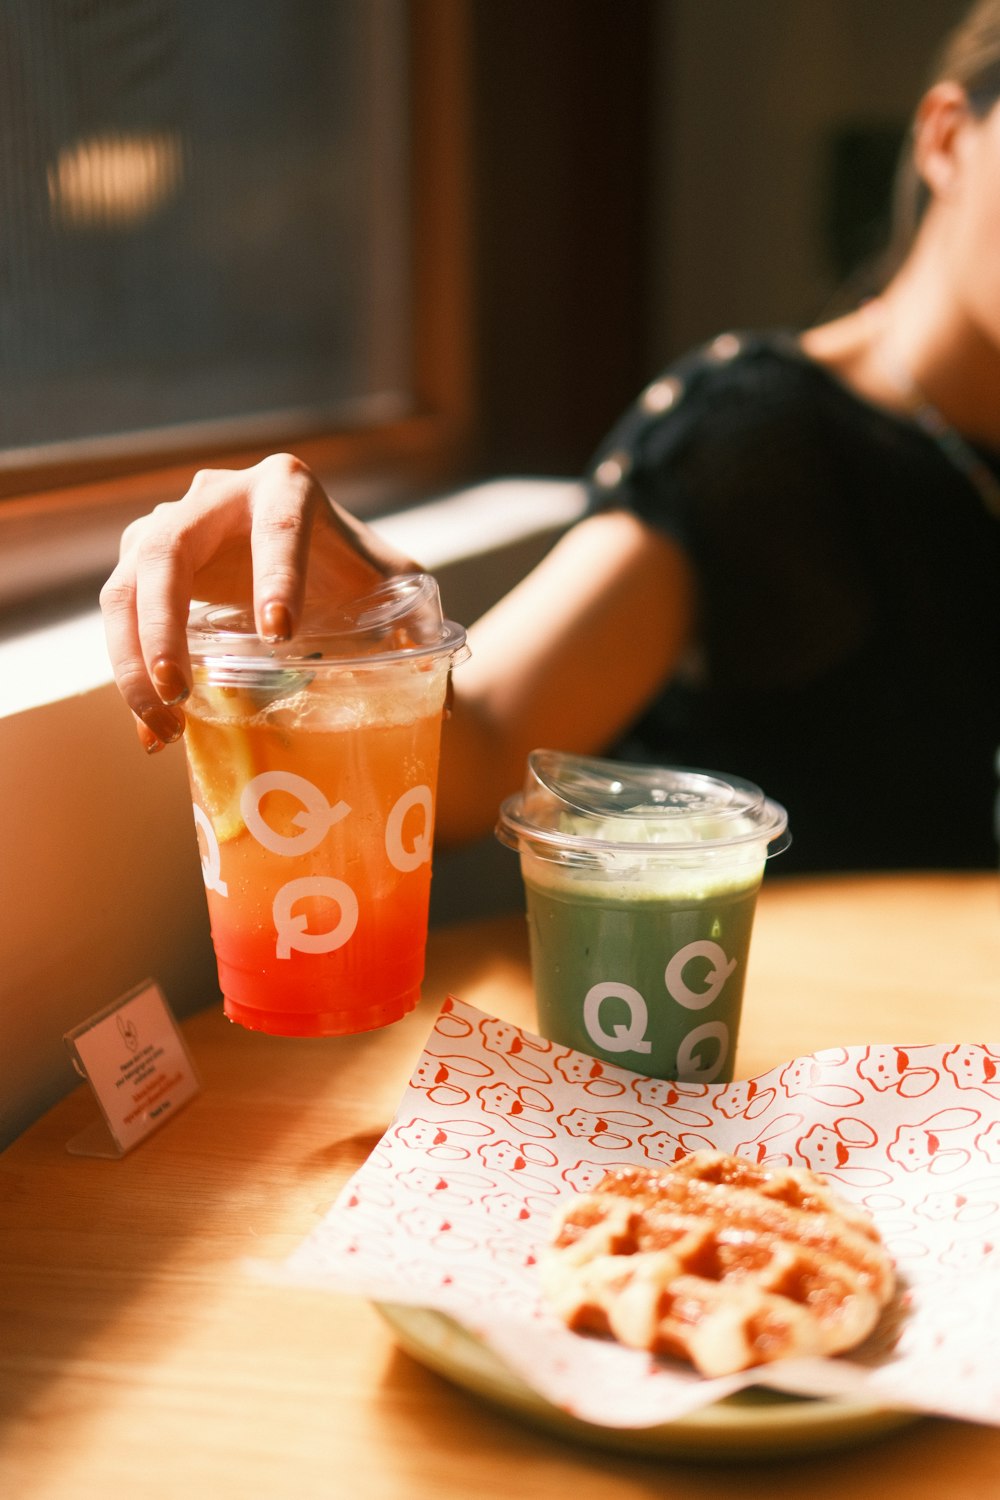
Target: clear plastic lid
399	620
578	810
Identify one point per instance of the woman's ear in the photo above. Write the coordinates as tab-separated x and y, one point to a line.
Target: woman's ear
937	133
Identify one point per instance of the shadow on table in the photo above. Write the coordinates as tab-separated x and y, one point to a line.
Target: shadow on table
444	1419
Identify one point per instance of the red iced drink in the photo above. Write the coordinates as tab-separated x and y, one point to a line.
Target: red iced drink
314	779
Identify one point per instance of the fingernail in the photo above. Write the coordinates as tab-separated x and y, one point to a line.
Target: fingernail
147	739
275	621
168	680
165	725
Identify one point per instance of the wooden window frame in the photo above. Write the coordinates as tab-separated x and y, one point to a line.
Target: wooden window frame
59	522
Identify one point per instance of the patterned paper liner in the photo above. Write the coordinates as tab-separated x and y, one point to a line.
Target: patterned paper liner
454	1203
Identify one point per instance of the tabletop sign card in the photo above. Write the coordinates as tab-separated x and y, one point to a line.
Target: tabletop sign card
134	1058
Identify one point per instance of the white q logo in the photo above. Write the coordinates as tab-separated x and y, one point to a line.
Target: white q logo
720	968
400	857
690	1066
630	1038
211	859
291	928
316	819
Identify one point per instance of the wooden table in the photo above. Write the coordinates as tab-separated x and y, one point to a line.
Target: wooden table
137	1356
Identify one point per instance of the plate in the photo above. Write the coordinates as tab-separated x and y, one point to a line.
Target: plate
754	1423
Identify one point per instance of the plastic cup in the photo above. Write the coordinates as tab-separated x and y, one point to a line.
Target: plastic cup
641	886
313	770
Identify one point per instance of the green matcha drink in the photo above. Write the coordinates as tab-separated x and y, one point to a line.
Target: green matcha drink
651	980
641	885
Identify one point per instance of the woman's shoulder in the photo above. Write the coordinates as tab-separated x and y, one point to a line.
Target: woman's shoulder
743	400
739	378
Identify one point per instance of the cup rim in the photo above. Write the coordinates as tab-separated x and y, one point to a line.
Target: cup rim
223	636
534	819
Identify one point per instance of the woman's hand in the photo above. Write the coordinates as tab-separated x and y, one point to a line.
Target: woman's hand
268	536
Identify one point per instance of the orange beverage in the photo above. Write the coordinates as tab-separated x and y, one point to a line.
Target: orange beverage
314	779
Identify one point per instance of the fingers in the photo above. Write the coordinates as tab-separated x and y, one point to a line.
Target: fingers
146	599
286	499
383	561
302	540
149	741
155	720
268	533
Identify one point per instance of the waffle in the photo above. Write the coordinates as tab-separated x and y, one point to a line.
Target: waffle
718	1261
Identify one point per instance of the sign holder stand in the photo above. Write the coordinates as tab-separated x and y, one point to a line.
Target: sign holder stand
133	1056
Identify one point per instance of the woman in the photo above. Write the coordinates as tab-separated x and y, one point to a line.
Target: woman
790	570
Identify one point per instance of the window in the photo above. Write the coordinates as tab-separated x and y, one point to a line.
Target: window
223	229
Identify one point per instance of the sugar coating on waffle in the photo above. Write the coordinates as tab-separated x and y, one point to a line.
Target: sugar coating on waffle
718	1261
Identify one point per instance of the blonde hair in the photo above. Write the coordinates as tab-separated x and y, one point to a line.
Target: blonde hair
970	57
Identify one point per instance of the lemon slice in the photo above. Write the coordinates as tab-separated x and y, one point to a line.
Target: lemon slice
221	762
